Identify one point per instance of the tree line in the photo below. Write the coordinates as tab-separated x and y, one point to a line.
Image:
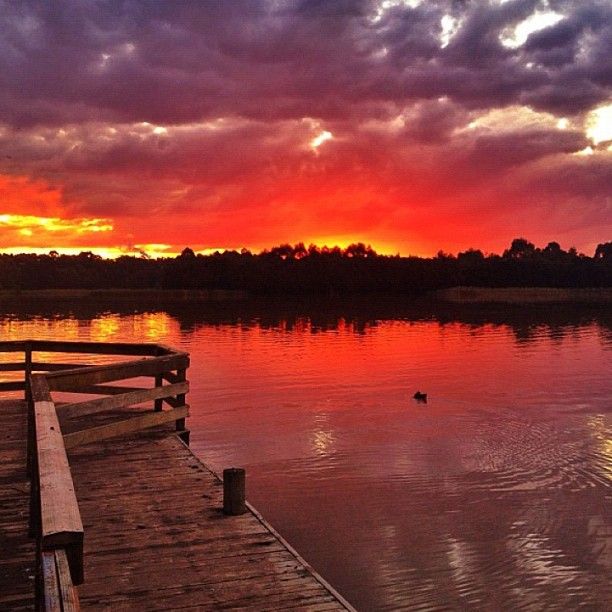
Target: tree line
300	270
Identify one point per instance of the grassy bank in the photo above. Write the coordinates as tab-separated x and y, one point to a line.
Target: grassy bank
525	295
120	295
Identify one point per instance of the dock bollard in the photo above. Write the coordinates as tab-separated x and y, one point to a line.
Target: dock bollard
234	491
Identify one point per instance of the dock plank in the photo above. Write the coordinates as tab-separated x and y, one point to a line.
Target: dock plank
17	551
156	536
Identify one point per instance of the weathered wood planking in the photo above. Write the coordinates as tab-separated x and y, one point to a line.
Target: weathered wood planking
58	593
117	428
13	346
60	520
104	389
157	538
70	598
129	398
17	385
156	534
51	598
17	550
14	366
68	380
56	503
39	366
96	348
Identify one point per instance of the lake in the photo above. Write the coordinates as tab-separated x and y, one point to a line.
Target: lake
495	494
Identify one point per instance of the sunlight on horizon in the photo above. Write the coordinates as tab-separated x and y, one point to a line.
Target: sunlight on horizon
160	251
26	225
599	124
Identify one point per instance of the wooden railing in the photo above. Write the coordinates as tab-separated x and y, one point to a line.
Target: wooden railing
55	519
57	591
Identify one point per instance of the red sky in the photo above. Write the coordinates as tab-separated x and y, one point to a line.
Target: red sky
413	126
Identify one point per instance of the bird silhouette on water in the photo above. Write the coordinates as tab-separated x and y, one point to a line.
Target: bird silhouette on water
420	397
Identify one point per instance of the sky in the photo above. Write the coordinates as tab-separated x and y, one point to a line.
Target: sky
411	125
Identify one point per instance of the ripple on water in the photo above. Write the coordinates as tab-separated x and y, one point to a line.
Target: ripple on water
493	496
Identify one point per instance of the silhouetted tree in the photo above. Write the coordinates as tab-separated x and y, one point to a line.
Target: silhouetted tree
314	270
553	250
187	253
520	248
471	256
359	249
603	251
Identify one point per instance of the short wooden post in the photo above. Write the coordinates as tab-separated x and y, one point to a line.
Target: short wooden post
234	491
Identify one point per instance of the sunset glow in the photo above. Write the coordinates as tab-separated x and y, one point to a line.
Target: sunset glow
599	125
411	126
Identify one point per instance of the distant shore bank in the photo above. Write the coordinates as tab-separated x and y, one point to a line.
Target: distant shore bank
525	295
122	295
453	295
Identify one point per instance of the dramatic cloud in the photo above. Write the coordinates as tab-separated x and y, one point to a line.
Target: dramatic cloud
413	125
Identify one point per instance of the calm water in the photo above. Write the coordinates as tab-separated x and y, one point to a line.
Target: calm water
494	495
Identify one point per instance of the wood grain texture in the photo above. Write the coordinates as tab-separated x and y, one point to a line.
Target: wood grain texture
59	509
50	595
129	398
157	538
68	592
17	550
118	428
68	380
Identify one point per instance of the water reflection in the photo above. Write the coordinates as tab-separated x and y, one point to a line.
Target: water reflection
493	495
527	324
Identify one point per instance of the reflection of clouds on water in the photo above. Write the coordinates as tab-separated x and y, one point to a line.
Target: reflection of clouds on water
322	437
602	434
602	548
540	561
322	442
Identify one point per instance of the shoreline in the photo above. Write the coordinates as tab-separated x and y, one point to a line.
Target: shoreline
125	295
453	295
525	295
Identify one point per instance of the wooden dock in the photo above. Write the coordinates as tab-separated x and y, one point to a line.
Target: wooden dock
17	550
149	532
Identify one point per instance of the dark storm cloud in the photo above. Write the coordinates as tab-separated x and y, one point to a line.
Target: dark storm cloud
217	102
173	62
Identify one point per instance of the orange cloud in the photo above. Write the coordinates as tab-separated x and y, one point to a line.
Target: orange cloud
33	217
23	195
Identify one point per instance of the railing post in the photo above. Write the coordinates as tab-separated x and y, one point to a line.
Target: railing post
180	398
31	434
158	403
27	370
183	432
34	517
